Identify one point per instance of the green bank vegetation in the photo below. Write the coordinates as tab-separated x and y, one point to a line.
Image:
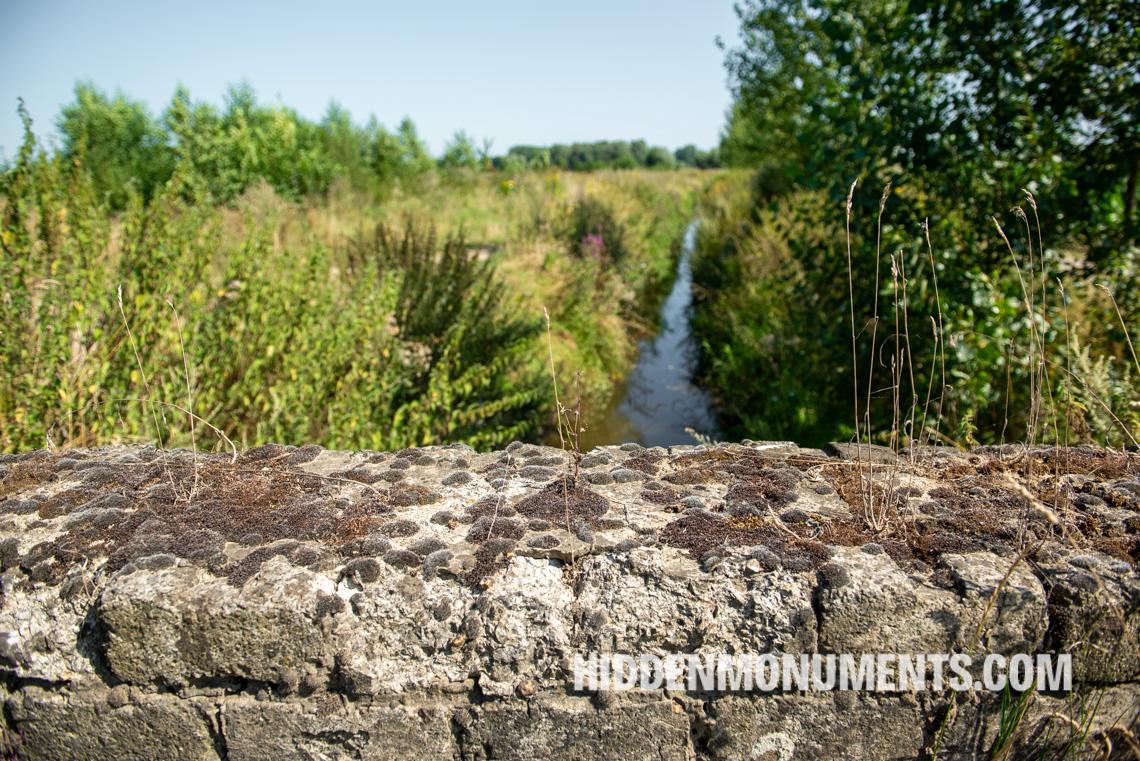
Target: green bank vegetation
937	245
993	280
221	261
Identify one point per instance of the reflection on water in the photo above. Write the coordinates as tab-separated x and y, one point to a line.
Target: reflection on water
658	400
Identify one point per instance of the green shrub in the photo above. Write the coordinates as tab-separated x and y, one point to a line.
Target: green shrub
453	317
593	232
226	150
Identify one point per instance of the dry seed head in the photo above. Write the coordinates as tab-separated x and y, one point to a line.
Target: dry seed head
1029	197
1000	230
1035	503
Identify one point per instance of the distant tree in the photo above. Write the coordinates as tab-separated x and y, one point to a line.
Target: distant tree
244	143
385	155
512	163
485	153
659	158
604	154
348	146
691	155
686	155
640	150
121	144
460	153
708	159
414	157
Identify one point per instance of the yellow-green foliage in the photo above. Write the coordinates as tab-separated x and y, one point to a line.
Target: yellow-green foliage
522	223
334	321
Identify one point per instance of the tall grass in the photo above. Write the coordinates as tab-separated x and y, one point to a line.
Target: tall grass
1030	348
884	512
334	320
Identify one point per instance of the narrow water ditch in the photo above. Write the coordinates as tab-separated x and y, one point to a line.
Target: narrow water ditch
658	403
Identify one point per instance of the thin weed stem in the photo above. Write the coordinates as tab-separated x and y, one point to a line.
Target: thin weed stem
1123	324
869	491
909	359
146	387
851	304
939	337
1068	360
189	398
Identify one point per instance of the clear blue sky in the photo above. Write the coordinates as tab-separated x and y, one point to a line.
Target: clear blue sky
515	72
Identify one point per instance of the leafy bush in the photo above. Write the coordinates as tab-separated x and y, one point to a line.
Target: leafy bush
594	233
124	147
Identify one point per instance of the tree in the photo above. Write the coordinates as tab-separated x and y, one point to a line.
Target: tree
460	153
971	100
121	145
659	158
347	146
691	155
1059	77
414	157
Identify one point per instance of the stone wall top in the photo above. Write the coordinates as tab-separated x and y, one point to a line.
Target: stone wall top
325	600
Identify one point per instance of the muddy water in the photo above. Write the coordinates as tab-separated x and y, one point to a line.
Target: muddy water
658	400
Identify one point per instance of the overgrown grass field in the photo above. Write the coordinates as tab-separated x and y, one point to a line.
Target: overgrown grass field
344	319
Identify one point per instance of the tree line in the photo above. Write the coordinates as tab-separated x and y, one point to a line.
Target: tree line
225	149
606	154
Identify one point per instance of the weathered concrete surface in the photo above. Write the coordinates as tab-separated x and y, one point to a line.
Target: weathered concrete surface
311	604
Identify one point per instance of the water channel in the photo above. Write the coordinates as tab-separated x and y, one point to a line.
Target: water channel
658	403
